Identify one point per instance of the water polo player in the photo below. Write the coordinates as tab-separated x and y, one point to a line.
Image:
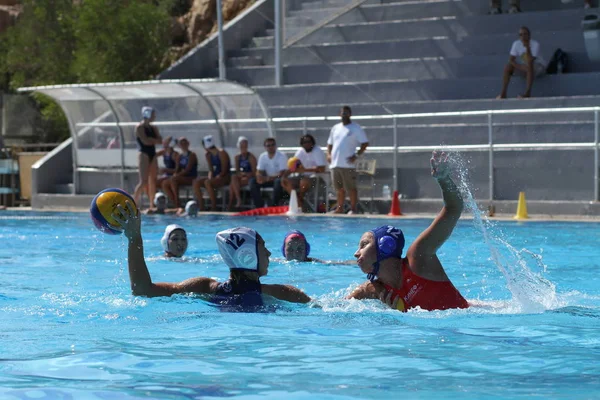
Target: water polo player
242	249
296	247
174	241
418	280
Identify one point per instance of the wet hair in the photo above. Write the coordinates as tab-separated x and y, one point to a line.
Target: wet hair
309	137
240	275
269	139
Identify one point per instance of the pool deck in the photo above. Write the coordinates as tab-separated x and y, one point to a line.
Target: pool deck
419	215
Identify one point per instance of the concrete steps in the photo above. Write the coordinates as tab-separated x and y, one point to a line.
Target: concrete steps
454	27
407	107
444	46
584	84
454	134
391	69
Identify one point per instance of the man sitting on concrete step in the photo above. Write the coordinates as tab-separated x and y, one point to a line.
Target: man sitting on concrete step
525	60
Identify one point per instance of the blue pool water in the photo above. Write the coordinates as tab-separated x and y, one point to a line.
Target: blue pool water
71	329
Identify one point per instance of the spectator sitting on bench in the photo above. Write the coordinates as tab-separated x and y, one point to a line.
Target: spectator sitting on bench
245	169
170	157
272	164
186	170
313	161
219	173
525	60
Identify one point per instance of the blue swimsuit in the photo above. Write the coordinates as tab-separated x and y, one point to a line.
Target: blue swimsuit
183	162
216	163
169	162
245	163
243	295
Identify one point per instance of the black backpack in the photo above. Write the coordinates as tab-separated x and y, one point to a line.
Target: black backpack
559	63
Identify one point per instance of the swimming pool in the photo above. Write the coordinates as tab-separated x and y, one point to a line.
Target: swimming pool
71	329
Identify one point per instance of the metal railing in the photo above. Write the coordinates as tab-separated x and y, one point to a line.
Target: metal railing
490	146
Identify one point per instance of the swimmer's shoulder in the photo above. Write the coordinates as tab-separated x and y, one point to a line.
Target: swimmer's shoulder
200	285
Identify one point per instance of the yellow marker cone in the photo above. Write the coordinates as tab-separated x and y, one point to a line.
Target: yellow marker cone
521	207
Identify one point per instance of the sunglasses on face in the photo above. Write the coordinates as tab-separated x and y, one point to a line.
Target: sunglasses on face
270	145
307	142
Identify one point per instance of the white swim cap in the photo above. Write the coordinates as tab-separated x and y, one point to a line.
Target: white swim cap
147	112
241	139
168	230
158	196
239	248
208	141
191	208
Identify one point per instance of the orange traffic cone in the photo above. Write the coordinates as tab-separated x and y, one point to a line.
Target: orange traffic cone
395	208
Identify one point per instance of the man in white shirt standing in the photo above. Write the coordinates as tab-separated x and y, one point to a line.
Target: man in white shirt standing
272	164
313	161
343	140
525	60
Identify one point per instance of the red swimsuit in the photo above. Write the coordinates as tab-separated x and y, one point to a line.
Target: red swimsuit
424	293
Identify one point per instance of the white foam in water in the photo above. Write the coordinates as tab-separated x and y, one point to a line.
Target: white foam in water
531	292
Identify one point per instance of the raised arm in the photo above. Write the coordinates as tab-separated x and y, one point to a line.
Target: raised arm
286	292
429	241
141	282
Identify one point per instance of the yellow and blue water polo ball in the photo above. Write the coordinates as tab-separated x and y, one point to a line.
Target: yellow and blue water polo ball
103	206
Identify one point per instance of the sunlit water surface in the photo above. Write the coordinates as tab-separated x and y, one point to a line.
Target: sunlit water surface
70	327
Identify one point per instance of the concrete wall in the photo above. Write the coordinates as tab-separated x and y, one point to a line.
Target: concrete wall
55	168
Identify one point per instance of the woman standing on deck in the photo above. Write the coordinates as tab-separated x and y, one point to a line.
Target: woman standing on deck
147	137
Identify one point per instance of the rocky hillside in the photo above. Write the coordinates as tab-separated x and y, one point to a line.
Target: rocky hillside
197	20
192	22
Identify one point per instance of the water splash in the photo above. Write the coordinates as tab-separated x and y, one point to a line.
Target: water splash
531	292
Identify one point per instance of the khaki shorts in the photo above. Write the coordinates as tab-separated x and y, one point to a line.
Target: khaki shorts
343	178
538	70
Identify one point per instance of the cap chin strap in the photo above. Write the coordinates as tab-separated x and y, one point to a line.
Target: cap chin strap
373	273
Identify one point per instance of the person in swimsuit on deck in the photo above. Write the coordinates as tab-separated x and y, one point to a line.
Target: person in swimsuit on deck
186	172
169	156
245	169
418	280
242	249
219	173
147	137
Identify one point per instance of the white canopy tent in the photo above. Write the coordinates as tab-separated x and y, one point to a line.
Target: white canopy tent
102	117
